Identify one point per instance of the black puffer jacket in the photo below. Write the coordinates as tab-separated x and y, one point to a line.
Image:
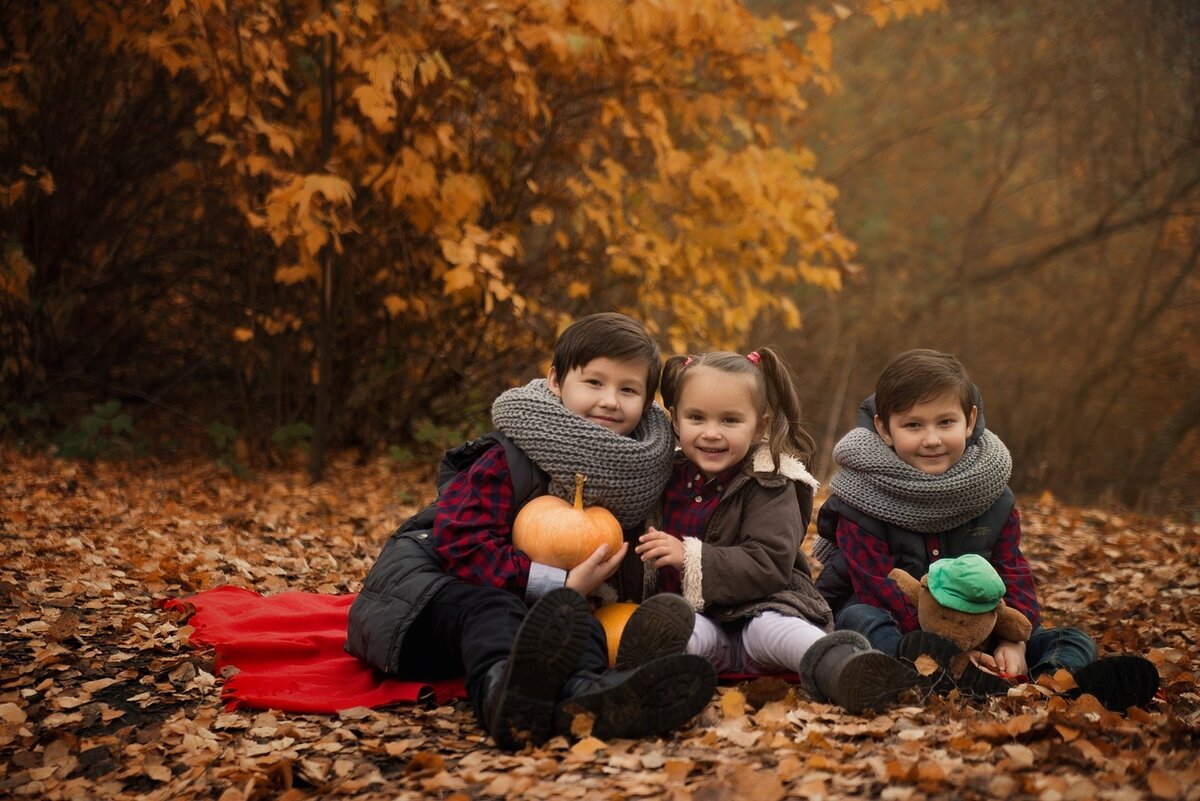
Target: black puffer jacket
408	572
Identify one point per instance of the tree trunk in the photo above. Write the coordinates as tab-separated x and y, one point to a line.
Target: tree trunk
1149	465
328	321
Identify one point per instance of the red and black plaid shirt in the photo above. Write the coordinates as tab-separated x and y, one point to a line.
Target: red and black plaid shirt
688	502
869	562
472	533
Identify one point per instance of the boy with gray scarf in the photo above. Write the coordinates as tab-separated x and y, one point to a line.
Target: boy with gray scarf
450	594
922	479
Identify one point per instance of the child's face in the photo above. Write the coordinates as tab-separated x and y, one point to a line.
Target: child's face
609	393
932	435
715	419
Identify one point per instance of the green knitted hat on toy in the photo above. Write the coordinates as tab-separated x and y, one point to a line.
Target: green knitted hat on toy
967	583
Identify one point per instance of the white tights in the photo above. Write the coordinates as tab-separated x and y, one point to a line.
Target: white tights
769	643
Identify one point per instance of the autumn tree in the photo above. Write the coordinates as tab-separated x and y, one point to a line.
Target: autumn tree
435	189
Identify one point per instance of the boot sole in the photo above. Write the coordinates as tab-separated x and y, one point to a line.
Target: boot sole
1119	682
545	653
656	698
941	650
972	681
872	680
660	626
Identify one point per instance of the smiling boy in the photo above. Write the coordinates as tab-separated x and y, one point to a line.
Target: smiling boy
922	479
451	595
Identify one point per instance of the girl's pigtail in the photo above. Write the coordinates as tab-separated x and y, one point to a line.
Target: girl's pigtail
672	375
785	429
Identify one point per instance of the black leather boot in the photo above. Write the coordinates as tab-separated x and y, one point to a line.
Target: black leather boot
955	670
842	668
660	626
654	698
1119	681
520	693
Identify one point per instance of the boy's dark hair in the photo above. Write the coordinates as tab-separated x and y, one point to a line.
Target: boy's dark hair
608	335
920	375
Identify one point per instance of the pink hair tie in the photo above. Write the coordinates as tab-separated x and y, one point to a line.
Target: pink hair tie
753	357
687	361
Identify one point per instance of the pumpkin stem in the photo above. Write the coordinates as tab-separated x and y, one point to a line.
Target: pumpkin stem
579	479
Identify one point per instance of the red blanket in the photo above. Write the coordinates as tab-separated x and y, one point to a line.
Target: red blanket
288	652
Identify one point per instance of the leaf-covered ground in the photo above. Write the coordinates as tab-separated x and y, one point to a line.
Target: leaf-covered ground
102	696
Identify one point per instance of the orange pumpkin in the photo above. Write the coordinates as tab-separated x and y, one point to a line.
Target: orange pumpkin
554	532
613	618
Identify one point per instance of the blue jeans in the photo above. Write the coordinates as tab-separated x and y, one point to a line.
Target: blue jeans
1046	651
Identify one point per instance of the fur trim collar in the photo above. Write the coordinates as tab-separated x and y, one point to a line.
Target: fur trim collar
789	467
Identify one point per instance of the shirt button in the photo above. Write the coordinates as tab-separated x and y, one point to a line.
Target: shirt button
936	552
699	498
720	488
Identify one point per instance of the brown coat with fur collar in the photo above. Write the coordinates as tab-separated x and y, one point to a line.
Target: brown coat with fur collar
749	560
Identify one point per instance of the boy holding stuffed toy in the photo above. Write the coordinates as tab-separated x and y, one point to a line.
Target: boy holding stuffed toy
921	479
450	594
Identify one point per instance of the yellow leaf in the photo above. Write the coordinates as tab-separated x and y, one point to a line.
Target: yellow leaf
820	45
460	277
279	140
462	197
458	253
587	747
13	193
395	305
542	215
733	704
415	177
256	164
296	273
332	187
243	334
379	107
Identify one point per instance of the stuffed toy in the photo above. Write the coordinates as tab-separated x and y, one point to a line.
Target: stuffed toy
960	604
962	599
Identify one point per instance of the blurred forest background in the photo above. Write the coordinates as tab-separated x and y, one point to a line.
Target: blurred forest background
264	229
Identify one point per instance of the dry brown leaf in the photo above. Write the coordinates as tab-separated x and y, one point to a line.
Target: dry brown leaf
282	531
582	723
1162	784
1019	756
587	747
424	763
926	665
677	770
733	704
11	713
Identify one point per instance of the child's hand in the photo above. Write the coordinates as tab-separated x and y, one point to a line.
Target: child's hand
1010	658
660	549
589	574
984	660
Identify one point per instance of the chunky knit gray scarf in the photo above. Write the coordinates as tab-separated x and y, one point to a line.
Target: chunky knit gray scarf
875	480
625	475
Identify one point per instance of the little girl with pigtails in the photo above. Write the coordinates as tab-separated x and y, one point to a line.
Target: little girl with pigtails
733	516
